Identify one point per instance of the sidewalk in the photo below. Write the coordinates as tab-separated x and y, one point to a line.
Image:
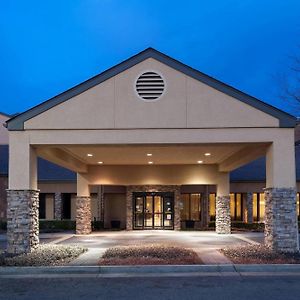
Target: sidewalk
150	271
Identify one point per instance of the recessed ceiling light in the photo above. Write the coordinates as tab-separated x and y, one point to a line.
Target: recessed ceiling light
89	155
200	161
207	154
149	154
100	162
150	162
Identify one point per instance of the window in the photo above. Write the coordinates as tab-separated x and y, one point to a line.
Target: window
42	206
191	207
258	207
212	207
236	207
66	206
255	208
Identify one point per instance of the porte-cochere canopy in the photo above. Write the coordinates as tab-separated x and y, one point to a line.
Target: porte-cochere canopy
152	124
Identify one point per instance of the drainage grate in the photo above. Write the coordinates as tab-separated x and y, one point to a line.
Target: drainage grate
150	86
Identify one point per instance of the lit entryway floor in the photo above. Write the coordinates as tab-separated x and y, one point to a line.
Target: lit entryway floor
205	243
189	239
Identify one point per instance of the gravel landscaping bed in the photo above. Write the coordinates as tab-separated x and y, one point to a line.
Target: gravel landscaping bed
44	255
259	254
154	254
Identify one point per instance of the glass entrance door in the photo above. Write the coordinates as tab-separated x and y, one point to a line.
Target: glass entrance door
153	211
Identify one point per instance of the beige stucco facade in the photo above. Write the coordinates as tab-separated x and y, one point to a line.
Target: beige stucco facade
196	134
186	103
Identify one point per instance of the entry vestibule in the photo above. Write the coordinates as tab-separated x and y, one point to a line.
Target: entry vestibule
202	130
153	210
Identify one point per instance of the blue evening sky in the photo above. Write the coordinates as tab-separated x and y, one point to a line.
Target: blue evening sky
49	46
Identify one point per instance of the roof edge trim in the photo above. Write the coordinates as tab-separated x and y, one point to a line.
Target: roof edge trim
285	119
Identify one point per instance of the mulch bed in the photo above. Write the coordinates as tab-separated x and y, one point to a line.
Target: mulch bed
44	255
154	254
259	254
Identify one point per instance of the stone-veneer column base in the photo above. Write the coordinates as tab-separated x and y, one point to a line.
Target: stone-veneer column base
22	221
281	225
83	215
148	189
223	221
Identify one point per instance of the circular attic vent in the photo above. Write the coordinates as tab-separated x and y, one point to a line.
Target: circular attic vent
150	86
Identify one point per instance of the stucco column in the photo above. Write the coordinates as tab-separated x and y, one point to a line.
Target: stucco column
281	225
57	206
223	221
83	206
22	196
248	207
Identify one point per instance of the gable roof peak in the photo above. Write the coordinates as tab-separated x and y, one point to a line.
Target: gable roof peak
285	119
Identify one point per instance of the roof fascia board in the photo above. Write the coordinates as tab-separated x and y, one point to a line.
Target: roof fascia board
17	122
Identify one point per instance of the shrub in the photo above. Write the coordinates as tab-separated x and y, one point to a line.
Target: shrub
56	225
97	225
242	225
44	255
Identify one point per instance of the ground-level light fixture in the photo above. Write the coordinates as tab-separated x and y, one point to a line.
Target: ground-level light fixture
100	162
207	154
89	155
150	162
149	154
200	161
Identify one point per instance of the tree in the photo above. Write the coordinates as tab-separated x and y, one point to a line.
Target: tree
290	83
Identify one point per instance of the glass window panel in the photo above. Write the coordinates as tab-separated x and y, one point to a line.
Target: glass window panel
254	200
195	207
148	207
261	207
139	209
139	204
238	207
212	206
148	212
184	214
232	206
157	220
139	220
157	204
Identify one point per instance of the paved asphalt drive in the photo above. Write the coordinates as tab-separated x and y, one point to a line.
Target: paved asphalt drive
220	287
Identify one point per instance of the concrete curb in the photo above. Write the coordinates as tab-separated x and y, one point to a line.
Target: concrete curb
151	270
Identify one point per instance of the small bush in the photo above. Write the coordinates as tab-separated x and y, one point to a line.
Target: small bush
152	254
248	226
242	225
44	255
97	225
259	254
56	225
